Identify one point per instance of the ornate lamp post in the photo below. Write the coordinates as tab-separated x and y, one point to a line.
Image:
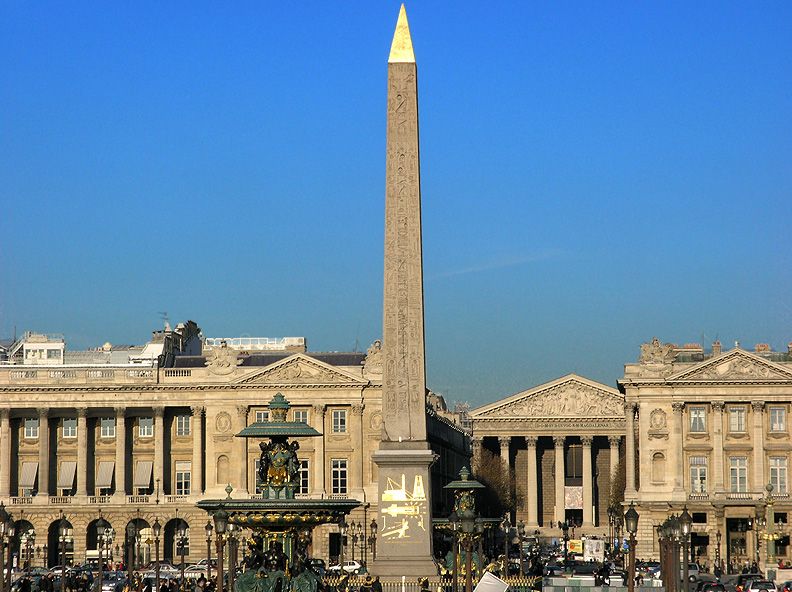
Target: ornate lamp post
30	541
355	532
208	529
101	526
717	549
63	529
157	528
45	556
469	527
231	535
373	538
686	523
520	536
220	523
181	543
631	523
453	519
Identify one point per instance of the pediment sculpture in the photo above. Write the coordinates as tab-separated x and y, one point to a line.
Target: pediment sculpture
565	400
737	368
298	371
373	362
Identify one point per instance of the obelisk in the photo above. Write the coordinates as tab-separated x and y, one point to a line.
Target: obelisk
404	545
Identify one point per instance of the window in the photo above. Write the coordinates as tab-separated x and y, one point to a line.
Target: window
737	419
778	473
301	415
339	421
738	473
107	427
304	478
698	474
182	425
777	419
183	477
53	354
698	419
146	427
262	416
339	476
69	427
31	427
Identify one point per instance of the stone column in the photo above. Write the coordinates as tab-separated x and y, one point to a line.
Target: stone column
503	442
677	435
532	481
82	451
120	452
241	449
614	455
476	443
357	449
758	446
629	449
44	453
159	449
318	420
717	448
196	467
588	486
5	452
560	498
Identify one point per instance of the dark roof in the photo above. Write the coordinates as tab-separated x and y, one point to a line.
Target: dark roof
267	358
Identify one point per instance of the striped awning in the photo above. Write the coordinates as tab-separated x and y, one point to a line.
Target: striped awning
142	474
27	479
66	474
104	474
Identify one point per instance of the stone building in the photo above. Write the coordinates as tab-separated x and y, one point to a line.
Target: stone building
712	432
142	433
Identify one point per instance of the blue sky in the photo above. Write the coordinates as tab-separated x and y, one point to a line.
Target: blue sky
594	174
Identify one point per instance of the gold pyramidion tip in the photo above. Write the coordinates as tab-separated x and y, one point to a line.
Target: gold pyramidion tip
401	48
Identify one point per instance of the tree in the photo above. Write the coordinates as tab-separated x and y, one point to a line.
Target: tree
502	494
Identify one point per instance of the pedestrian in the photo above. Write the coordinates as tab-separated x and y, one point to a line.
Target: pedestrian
377	585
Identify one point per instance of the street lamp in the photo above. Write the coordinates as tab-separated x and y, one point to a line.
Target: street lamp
101	525
208	529
157	528
373	538
342	528
30	541
466	524
564	526
220	523
231	535
718	552
63	529
520	536
686	523
631	523
353	530
506	528
181	543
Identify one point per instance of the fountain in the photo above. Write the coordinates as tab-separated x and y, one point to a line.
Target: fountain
282	525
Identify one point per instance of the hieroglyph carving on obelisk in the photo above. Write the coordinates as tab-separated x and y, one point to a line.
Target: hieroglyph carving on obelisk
404	372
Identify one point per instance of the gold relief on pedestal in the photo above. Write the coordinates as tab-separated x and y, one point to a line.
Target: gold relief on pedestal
403	510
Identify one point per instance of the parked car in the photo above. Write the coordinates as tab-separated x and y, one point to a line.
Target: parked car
194	572
351	567
757	585
744	580
713	587
113	581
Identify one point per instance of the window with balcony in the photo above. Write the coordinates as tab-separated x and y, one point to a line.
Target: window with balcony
69	427
698	419
737	419
339	421
738	474
107	427
698	474
778	473
183	477
146	427
31	427
338	475
182	425
777	419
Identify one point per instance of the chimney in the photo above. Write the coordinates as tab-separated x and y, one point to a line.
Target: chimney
716	348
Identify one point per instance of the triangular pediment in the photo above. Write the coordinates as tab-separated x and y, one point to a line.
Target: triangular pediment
569	396
735	365
300	369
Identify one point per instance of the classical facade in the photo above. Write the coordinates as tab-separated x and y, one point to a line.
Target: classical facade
712	432
562	440
144	439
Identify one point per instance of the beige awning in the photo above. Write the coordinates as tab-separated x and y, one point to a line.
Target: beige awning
104	475
27	479
66	474
142	474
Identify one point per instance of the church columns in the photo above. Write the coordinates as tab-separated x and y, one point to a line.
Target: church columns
588	486
629	449
614	455
504	441
560	501
678	460
532	481
241	450
159	449
357	449
758	445
120	452
717	449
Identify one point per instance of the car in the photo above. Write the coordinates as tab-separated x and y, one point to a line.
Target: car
712	587
113	581
757	585
744	580
785	586
351	567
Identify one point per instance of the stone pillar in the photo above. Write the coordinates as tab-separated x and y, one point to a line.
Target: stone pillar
82	451
318	420
614	455
503	442
358	454
717	448
476	443
588	486
532	481
241	488
560	498
677	435
5	452
196	467
629	450
159	449
44	453
758	446
120	452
